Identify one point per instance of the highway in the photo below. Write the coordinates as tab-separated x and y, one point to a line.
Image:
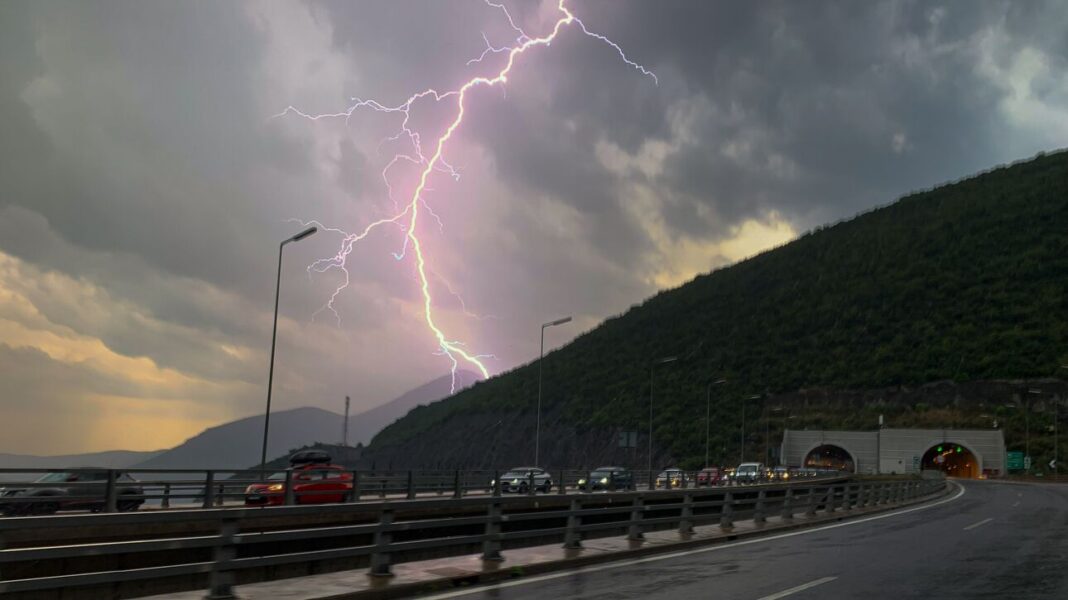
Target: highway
988	540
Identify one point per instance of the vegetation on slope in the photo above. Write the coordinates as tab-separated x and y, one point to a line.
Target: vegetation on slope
962	282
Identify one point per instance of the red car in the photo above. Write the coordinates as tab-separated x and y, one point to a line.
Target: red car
710	476
312	484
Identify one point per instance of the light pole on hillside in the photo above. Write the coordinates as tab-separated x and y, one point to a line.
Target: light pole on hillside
541	359
274	338
652	369
741	450
708	412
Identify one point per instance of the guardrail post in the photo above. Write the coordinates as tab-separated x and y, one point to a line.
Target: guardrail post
686	520
634	531
355	494
572	537
497	483
652	481
290	496
562	482
110	493
611	481
221	579
166	501
828	504
758	512
220	497
457	488
491	545
860	503
667	482
383	537
209	489
411	486
726	511
810	510
531	490
788	505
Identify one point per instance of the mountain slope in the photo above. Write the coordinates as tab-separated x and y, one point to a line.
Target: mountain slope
962	282
238	443
364	426
116	459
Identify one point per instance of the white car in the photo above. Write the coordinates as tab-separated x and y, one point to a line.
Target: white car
750	472
519	480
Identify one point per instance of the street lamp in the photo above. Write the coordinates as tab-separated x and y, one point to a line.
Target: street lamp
541	359
708	412
767	433
274	336
1027	428
652	368
741	451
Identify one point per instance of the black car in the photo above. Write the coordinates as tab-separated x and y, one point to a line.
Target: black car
74	490
608	478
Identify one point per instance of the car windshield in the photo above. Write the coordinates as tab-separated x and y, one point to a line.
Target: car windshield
53	477
604	473
280	476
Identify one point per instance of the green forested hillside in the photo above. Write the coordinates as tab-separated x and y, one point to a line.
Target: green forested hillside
963	282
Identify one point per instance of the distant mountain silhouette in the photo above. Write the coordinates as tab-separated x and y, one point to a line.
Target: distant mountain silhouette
114	459
237	444
366	425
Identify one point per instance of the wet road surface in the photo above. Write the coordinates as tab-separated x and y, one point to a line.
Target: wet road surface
988	540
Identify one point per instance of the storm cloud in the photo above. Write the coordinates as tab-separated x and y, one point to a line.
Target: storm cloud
145	181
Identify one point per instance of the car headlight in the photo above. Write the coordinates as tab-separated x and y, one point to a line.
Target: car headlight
493	482
604	480
276	487
582	482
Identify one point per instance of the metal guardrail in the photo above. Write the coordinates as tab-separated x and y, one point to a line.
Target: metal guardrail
115	490
389	539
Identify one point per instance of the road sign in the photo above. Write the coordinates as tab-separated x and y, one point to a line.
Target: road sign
1053	464
628	439
1027	463
1015	460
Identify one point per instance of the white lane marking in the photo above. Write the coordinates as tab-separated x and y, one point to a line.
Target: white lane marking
1015	504
799	588
681	553
974	525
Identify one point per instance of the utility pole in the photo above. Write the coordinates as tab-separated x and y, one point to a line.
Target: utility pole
345	425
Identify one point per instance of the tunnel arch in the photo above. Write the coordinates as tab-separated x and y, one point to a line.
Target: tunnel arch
955	459
830	456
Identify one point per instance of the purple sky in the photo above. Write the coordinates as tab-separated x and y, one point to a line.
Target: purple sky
144	185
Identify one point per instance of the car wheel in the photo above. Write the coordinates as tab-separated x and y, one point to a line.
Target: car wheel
547	487
523	488
127	505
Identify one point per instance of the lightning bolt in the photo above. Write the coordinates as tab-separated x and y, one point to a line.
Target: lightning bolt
407	216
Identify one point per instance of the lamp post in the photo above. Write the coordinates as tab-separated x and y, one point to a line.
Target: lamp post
652	368
741	450
1027	429
767	433
274	336
708	412
541	359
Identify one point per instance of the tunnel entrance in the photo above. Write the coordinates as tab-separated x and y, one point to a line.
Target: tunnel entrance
952	459
829	456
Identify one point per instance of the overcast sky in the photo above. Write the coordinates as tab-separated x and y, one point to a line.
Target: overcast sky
145	185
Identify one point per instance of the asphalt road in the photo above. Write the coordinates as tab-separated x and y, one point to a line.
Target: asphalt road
988	540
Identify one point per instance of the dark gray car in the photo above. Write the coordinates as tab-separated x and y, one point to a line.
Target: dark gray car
73	490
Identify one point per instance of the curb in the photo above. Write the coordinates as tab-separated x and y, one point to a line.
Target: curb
447	583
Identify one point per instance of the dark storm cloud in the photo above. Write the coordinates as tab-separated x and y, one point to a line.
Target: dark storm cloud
139	165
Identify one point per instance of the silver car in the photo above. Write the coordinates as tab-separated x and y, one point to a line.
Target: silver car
520	479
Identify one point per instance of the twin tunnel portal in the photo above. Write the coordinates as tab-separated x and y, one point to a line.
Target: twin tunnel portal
953	459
